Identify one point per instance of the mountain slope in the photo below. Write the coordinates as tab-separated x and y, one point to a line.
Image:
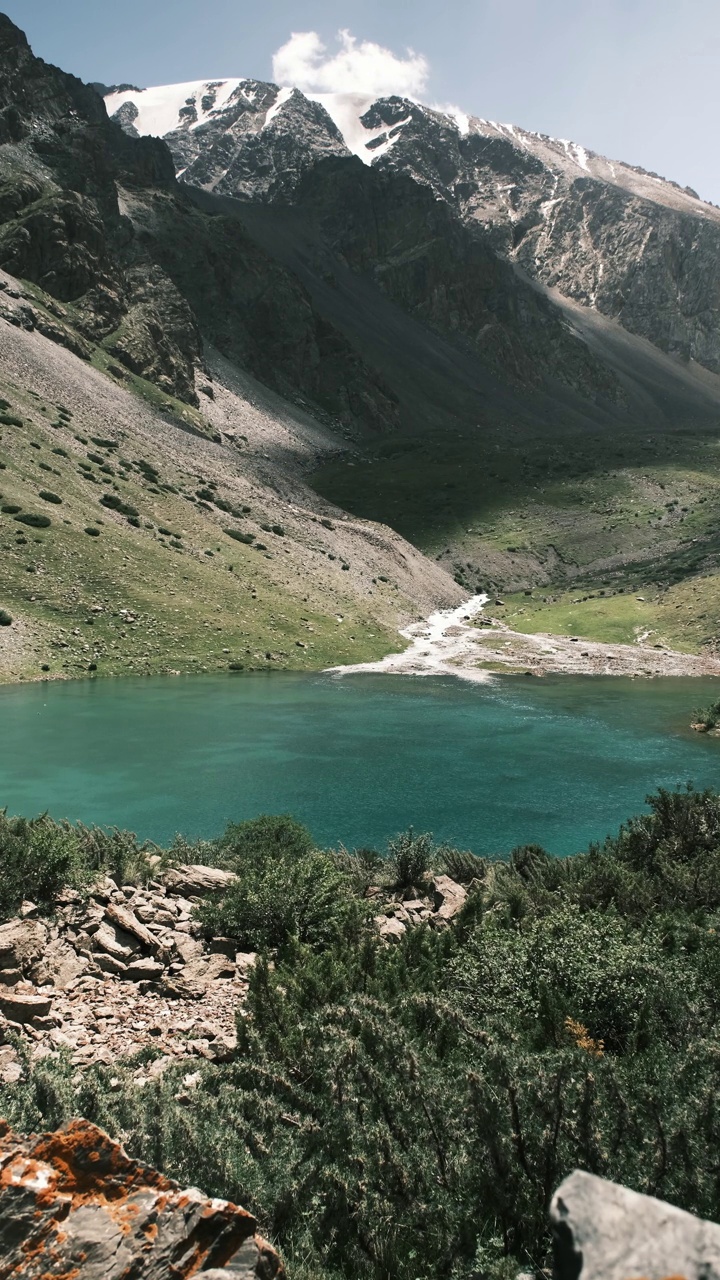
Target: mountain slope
159	549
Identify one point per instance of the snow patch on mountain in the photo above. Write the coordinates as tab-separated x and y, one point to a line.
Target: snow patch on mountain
346	111
159	108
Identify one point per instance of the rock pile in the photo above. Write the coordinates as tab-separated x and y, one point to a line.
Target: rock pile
120	969
437	910
73	1204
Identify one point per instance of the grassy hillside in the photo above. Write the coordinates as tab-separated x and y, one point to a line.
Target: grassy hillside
585	524
136	537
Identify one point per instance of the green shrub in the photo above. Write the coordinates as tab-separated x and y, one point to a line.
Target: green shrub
239	536
461	865
287	889
92	532
10	509
5	618
11	420
38	858
34	521
411	858
115	503
709	716
48	496
270	838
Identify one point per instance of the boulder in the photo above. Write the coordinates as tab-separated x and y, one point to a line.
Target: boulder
390	928
125	919
72	1203
10	1066
144	968
23	1007
115	941
187	948
602	1231
448	897
198	881
22	942
59	965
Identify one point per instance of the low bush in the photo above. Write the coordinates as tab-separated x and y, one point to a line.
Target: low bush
48	496
34	521
114	502
287	890
11	420
5	618
411	858
708	717
239	536
38	857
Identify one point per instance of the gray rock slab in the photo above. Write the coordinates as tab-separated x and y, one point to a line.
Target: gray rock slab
602	1231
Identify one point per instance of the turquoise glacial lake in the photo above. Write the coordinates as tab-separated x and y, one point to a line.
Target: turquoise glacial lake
561	760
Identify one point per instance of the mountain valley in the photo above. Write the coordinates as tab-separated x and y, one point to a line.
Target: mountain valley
358	322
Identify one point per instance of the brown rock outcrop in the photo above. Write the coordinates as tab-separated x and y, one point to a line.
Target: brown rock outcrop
74	1205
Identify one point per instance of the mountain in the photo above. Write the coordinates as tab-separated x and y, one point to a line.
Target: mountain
617	239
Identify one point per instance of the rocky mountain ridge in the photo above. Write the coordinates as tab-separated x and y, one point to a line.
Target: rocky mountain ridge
610	235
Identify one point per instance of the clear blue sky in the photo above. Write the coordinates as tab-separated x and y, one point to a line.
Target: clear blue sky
637	80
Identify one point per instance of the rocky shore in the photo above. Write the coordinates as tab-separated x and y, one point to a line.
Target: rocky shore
127	968
468	643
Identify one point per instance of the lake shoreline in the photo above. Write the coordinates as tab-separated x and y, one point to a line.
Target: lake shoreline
471	645
467	643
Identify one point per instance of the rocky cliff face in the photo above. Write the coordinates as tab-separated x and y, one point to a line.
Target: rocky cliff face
95	218
627	243
73	1204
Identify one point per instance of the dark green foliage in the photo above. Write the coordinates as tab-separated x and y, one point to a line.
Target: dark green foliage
115	503
239	536
104	444
406	1111
462	865
287	889
10	509
92	531
38	857
48	496
5	618
34	521
411	858
11	420
708	716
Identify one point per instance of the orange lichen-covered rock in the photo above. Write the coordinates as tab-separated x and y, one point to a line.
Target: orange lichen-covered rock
74	1206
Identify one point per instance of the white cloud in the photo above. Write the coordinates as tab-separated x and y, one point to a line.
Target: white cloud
357	67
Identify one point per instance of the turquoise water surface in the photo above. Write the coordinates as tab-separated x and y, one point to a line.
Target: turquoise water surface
561	760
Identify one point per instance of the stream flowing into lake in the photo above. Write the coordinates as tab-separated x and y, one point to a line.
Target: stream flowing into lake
561	760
